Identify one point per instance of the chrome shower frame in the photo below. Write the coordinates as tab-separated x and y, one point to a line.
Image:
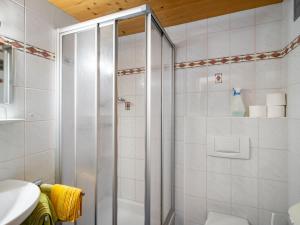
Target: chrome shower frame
150	18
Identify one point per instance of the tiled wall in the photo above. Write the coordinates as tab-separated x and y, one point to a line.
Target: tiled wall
292	67
248	188
132	122
27	148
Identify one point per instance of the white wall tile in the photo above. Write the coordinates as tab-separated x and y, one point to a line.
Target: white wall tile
218	103
39	32
180	104
127	167
218	126
272	133
273	164
140	191
180	83
196	47
11	141
219	23
13	169
19	78
196	80
140	148
218	206
179	128
40	136
140	50
140	84
293	101
127	127
293	67
246	127
195	210
268	13
265	38
196	104
218	44
293	135
126	85
39	73
179	200
128	188
40	105
195	183
218	165
241	19
244	191
16	109
219	187
248	213
39	166
126	48
12	19
140	106
273	195
127	147
178	36
248	167
239	37
195	156
140	170
179	174
293	181
269	74
140	127
195	130
242	75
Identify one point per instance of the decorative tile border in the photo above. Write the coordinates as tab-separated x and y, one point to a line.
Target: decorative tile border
131	71
28	48
182	65
227	60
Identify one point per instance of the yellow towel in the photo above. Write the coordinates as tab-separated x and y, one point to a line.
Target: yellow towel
67	202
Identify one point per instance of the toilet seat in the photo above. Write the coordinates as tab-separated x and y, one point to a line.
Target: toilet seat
222	219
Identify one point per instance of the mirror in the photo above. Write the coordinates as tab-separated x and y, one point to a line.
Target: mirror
6	73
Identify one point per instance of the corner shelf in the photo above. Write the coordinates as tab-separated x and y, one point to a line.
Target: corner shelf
6	121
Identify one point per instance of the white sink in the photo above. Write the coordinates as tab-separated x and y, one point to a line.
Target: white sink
17	200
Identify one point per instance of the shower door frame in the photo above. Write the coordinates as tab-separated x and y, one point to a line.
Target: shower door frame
150	19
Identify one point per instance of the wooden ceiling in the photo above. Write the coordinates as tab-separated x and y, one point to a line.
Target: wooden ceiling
169	12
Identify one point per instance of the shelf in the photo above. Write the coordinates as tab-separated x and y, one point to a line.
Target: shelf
5	121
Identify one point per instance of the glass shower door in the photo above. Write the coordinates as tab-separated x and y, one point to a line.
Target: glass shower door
167	130
78	116
107	127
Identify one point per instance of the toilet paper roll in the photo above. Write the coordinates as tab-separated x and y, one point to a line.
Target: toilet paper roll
276	99
276	111
257	111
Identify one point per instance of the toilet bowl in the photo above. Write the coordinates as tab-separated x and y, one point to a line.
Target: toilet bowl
222	219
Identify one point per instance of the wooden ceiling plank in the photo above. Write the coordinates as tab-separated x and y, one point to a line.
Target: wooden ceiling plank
169	12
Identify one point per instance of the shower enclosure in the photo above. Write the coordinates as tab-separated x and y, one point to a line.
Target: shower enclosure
93	134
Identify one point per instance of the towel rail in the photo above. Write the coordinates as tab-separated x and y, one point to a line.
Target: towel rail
38	183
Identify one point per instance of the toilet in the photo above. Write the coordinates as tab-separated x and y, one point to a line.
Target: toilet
222	219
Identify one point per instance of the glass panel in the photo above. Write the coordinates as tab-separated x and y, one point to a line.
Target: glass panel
131	122
86	122
106	136
167	92
67	156
154	126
